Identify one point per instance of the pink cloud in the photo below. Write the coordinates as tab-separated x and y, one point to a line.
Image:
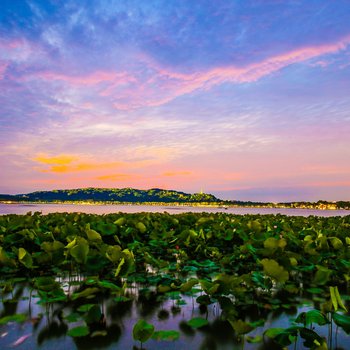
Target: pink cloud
3	67
87	80
165	84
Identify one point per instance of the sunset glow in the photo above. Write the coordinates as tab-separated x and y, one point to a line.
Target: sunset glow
246	100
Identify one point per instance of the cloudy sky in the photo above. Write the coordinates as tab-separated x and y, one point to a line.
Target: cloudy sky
247	100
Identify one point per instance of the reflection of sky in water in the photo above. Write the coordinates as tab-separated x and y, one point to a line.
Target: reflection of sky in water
108	209
50	331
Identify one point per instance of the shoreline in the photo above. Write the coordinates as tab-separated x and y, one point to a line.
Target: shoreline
177	204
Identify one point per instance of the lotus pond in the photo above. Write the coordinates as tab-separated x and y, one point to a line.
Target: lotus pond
161	281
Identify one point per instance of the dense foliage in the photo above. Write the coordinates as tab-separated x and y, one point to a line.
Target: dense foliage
155	195
240	262
113	195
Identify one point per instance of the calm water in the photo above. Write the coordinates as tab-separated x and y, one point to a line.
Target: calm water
44	329
107	209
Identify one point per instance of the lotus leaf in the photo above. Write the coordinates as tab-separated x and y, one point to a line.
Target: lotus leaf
80	331
274	270
25	258
142	331
80	252
166	335
197	322
312	316
342	321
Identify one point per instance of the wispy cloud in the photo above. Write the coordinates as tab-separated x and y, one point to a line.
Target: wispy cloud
177	173
68	164
118	177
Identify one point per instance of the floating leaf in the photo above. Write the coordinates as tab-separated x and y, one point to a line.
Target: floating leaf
241	327
80	331
94	315
19	318
166	335
142	331
99	334
254	340
273	332
197	322
187	286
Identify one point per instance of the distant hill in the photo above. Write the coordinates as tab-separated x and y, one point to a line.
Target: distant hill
155	195
112	195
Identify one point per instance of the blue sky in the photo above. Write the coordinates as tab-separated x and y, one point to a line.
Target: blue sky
244	99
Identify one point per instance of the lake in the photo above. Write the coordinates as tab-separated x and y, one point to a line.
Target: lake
115	208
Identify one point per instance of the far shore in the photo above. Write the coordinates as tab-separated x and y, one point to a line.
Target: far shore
223	205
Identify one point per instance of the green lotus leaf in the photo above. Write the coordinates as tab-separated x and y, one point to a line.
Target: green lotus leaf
86	293
85	307
322	276
271	243
187	286
254	340
311	338
102	333
106	229
141	227
342	321
80	331
273	332
51	247
120	222
166	335
46	283
25	258
93	235
197	322
19	318
241	327
114	253
274	270
336	243
94	315
312	316
80	252
142	331
108	285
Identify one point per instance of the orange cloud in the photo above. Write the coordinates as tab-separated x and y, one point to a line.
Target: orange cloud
177	173
62	159
82	167
68	163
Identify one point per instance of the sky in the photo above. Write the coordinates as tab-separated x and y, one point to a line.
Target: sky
247	100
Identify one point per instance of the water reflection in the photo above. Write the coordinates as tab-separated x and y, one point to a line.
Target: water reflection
110	322
108	209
